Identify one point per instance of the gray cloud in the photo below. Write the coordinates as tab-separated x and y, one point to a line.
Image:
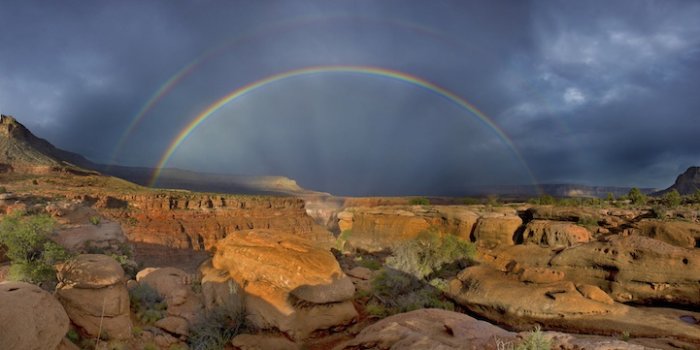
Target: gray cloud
592	92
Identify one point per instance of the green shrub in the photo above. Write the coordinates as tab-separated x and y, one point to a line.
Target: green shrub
696	196
396	292
3	189
419	201
372	264
215	329
32	253
95	220
672	199
637	197
587	221
429	253
73	336
147	304
535	340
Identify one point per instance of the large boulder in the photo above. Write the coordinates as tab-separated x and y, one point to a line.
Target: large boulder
31	318
555	234
92	289
496	229
429	329
287	282
503	298
635	269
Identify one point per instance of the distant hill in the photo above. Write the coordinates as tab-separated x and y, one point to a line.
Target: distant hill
23	152
686	183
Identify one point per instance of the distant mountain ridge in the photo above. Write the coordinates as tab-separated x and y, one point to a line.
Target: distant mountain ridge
23	152
556	190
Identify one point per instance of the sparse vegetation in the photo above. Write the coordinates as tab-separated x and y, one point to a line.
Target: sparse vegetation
637	197
3	189
95	220
342	239
544	199
147	304
419	201
696	196
395	292
429	253
672	199
216	328
535	340
28	247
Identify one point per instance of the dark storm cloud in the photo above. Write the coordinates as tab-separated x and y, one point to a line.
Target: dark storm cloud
593	92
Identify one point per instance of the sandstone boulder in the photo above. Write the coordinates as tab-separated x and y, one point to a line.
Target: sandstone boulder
635	269
93	291
30	318
428	329
555	233
287	282
494	230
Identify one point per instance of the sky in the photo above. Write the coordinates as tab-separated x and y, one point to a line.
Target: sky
587	92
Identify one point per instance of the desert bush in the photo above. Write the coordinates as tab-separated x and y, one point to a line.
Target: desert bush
3	189
215	329
28	247
672	199
535	340
371	263
637	197
419	201
587	221
395	292
95	220
147	304
696	197
429	253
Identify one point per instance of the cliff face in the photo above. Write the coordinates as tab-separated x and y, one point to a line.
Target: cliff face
686	183
198	221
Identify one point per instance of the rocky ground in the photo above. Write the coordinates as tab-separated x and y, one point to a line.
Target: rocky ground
172	269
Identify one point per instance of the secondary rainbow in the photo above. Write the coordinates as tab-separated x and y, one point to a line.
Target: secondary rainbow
372	71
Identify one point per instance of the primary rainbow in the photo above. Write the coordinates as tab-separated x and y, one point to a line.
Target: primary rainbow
372	71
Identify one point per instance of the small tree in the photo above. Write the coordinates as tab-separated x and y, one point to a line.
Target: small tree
32	253
610	198
637	197
672	198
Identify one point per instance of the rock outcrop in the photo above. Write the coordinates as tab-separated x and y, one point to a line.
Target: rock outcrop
92	289
197	221
497	229
555	234
285	281
504	298
31	318
679	233
429	329
377	228
635	269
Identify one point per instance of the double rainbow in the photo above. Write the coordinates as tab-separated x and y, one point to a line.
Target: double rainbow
308	71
